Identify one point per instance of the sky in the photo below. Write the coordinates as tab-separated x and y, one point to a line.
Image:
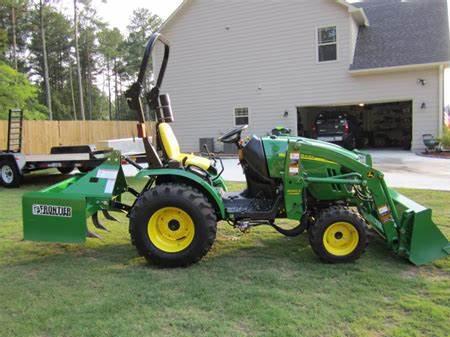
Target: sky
118	12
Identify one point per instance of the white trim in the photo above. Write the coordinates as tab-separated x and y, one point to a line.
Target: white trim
358	14
441	101
174	14
326	44
397	68
234	114
352	46
360	17
367	102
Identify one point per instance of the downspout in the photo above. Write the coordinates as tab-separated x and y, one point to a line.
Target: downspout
441	101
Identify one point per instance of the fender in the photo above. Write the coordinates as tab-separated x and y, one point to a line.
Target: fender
212	193
17	158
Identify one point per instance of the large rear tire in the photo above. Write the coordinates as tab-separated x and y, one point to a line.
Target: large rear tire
339	235
173	225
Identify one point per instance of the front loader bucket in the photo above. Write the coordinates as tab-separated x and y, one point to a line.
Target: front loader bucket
59	213
420	238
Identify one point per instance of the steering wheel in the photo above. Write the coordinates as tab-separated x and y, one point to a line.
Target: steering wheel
232	136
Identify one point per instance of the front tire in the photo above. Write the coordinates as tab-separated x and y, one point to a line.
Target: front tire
339	235
173	225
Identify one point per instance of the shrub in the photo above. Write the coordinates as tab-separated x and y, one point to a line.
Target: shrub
445	139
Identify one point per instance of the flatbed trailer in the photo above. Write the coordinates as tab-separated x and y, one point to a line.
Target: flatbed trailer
14	164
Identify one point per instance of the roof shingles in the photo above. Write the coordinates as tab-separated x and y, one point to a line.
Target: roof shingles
402	32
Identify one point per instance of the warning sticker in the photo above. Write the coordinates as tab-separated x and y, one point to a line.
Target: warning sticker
383	210
293	170
385	214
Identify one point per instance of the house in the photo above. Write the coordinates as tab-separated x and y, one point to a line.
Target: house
269	63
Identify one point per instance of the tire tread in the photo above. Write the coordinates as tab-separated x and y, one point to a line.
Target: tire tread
184	192
333	214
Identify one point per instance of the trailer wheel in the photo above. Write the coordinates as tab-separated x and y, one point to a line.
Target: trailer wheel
85	169
173	225
339	235
10	175
66	169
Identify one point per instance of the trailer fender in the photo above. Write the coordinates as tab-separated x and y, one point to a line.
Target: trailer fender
20	161
17	158
190	179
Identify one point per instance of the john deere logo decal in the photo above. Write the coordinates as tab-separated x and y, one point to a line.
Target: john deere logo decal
49	210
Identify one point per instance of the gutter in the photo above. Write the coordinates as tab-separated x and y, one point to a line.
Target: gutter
369	71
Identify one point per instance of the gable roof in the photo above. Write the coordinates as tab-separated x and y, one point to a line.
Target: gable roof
356	12
402	33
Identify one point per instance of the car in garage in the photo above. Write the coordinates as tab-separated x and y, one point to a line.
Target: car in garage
337	127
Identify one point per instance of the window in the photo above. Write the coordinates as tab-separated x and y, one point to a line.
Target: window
241	116
327	44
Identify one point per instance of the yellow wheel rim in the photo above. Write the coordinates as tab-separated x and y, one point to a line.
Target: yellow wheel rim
341	239
171	229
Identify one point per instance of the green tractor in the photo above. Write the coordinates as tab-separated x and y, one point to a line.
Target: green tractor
334	194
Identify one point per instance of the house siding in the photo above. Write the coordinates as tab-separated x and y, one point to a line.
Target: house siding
262	55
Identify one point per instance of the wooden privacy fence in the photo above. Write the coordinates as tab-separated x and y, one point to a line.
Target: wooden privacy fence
40	136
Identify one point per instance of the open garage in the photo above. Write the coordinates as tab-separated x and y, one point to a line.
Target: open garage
380	125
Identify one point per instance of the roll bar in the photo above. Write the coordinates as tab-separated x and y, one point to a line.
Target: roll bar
133	95
148	53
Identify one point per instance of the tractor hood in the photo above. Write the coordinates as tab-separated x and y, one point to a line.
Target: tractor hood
279	144
328	146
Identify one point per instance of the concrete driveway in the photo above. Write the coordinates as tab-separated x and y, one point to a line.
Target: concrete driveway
401	169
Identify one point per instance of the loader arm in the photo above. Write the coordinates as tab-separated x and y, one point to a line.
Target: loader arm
406	226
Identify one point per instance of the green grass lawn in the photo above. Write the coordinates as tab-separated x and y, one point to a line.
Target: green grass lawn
256	284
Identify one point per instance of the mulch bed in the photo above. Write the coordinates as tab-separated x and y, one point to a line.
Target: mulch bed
443	155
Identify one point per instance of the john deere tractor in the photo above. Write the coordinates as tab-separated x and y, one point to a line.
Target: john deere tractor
334	194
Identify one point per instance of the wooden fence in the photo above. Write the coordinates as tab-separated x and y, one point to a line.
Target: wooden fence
40	136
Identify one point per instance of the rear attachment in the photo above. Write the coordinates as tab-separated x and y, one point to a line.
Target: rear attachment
59	213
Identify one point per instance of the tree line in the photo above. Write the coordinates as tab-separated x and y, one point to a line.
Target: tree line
68	67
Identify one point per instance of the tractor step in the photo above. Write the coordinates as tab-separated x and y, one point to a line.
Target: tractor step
237	203
241	207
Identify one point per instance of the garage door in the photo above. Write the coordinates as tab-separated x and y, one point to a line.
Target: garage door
381	125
